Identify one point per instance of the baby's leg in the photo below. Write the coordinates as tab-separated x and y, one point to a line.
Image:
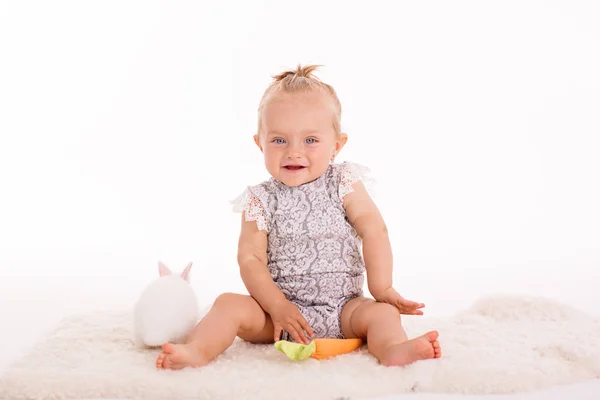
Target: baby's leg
380	324
231	315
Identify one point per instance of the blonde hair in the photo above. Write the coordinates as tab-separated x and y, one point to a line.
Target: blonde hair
300	80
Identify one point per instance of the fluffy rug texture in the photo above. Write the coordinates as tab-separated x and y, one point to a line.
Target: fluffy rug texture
501	344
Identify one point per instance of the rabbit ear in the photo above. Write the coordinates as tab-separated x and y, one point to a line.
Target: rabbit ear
163	270
186	272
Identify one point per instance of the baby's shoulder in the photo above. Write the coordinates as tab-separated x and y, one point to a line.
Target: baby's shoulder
250	203
345	174
257	191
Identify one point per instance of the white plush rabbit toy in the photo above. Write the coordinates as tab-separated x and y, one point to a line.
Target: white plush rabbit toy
166	311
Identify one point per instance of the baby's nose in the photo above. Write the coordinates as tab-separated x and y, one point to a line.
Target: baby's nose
294	151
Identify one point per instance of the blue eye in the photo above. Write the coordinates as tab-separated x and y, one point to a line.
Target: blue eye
278	141
311	140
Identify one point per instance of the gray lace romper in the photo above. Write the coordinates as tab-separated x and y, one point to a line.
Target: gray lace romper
314	253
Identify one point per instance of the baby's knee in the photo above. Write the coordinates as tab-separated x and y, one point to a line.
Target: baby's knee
241	309
367	313
380	311
228	301
388	309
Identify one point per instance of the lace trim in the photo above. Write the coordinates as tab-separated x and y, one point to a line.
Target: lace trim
252	208
352	173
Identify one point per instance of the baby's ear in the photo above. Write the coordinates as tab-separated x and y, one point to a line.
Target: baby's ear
186	273
163	270
341	142
257	141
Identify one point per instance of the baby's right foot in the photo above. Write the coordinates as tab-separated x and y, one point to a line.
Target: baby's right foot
178	356
420	348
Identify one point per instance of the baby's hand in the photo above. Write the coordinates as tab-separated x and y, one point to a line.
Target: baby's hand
286	316
404	306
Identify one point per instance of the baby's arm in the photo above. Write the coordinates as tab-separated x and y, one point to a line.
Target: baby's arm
252	259
377	252
364	215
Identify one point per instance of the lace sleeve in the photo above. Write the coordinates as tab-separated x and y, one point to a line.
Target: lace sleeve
252	208
352	173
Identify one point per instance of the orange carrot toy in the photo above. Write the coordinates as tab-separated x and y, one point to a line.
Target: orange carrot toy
318	348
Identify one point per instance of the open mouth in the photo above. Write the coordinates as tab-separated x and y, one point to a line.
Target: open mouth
294	167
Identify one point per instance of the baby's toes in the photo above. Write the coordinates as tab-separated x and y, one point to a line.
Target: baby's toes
437	349
159	360
167	364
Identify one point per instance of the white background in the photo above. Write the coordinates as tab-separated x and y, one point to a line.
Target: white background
126	128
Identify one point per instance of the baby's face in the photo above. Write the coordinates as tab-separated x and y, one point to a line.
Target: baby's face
297	137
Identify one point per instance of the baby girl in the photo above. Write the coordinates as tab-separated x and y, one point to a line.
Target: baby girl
299	250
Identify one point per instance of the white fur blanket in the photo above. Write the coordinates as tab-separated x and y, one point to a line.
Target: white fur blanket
501	344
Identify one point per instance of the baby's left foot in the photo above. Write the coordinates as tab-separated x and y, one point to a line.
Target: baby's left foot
178	356
420	348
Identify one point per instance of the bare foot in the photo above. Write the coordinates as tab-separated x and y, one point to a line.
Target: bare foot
420	348
178	356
